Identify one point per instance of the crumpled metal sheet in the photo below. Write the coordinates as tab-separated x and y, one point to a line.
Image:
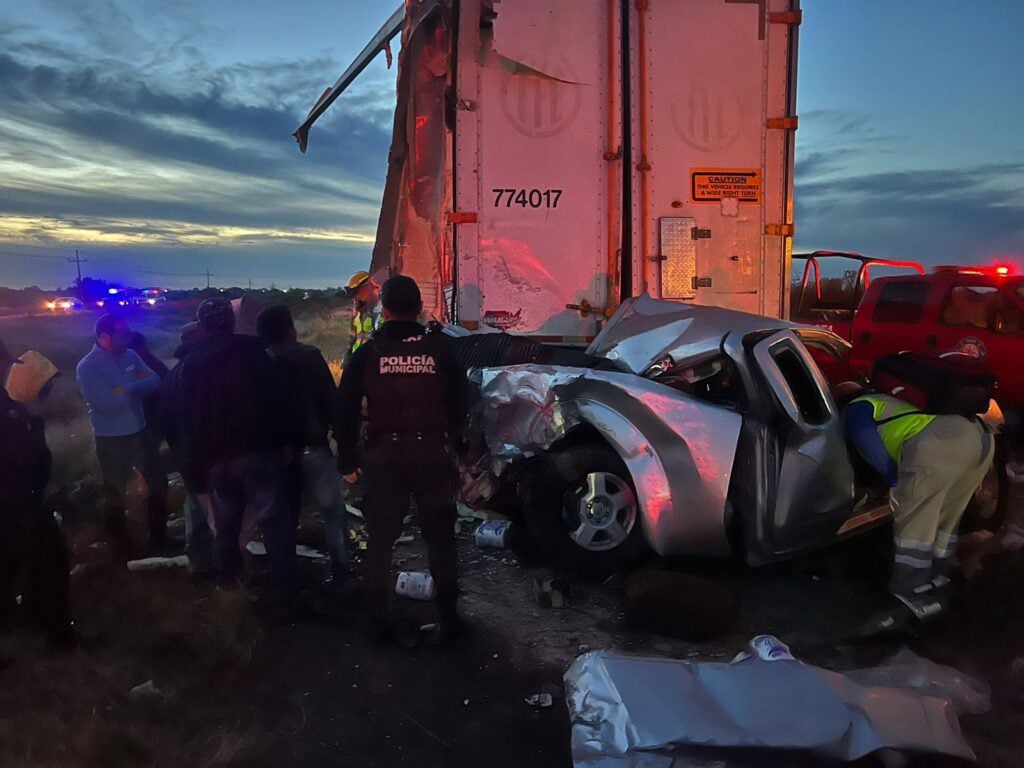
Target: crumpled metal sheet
629	711
653	428
644	329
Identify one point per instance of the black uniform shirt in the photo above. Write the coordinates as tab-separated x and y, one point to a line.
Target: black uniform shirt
354	388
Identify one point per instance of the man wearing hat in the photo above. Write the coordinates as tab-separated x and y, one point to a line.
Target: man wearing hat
114	381
416	405
234	440
365	317
33	556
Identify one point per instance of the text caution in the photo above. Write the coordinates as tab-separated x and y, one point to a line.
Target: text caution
710	185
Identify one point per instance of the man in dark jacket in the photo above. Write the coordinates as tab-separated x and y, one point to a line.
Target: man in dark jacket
312	476
416	405
198	535
33	556
234	440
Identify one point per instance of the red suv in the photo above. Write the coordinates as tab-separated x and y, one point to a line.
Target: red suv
831	286
975	310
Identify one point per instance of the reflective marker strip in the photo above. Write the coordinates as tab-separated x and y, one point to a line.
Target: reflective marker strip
913	562
912	544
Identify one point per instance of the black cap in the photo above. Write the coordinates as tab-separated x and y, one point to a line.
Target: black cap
401	296
5	356
215	314
274	324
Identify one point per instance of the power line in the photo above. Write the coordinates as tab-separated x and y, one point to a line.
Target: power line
77	261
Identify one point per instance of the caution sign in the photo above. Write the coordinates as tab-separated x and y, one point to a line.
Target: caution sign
710	185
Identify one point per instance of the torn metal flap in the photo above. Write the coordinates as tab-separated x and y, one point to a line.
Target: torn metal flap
391	28
644	329
628	711
529	37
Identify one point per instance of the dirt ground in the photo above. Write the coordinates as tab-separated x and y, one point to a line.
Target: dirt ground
235	687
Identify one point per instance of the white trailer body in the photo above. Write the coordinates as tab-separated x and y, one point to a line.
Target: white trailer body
593	150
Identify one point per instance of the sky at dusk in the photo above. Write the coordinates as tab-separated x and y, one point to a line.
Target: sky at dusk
155	137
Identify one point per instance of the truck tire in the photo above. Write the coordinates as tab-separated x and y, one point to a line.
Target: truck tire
583	513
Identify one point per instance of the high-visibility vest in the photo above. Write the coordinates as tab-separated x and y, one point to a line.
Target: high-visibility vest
896	432
363	326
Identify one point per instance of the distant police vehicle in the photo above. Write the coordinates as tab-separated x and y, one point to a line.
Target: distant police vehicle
64	304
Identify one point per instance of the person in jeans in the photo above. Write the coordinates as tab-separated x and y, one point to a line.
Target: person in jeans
114	381
415	392
313	477
234	439
198	534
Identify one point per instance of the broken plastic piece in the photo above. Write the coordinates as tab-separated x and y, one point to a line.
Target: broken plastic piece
542	700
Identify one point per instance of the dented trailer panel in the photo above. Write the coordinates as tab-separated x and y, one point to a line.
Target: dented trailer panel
530	138
540	158
551	159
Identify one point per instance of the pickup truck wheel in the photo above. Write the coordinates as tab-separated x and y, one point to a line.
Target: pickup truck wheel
583	512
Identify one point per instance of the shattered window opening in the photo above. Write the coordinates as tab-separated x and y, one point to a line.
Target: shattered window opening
714	380
805	391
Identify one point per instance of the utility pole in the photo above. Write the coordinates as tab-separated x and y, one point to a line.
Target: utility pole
78	263
250	283
208	276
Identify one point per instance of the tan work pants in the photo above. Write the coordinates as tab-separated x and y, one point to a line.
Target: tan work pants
941	467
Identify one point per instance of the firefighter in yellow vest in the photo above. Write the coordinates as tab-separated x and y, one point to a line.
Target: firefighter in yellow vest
933	464
366	313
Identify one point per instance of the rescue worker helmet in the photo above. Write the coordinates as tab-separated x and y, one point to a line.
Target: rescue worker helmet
357	281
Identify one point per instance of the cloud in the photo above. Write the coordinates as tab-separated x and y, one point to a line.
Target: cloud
951	216
100	149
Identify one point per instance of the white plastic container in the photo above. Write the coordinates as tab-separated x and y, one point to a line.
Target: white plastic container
418	585
770	648
493	533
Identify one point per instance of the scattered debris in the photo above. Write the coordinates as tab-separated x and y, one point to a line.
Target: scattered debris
407	539
259	549
157	563
418	585
493	533
551	593
542	700
146	690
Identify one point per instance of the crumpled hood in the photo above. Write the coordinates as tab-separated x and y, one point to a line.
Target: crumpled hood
644	330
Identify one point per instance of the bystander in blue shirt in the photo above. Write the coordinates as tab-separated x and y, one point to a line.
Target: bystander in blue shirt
113	385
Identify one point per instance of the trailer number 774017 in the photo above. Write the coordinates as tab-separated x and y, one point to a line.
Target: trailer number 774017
527	198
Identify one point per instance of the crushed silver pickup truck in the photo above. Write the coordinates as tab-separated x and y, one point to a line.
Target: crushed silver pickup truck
691	430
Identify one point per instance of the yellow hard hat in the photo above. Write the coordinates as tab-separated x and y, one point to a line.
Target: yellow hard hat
358	280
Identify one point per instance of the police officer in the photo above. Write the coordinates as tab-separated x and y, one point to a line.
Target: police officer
33	555
933	464
415	392
365	318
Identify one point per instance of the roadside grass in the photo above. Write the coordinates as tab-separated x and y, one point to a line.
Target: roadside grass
195	644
